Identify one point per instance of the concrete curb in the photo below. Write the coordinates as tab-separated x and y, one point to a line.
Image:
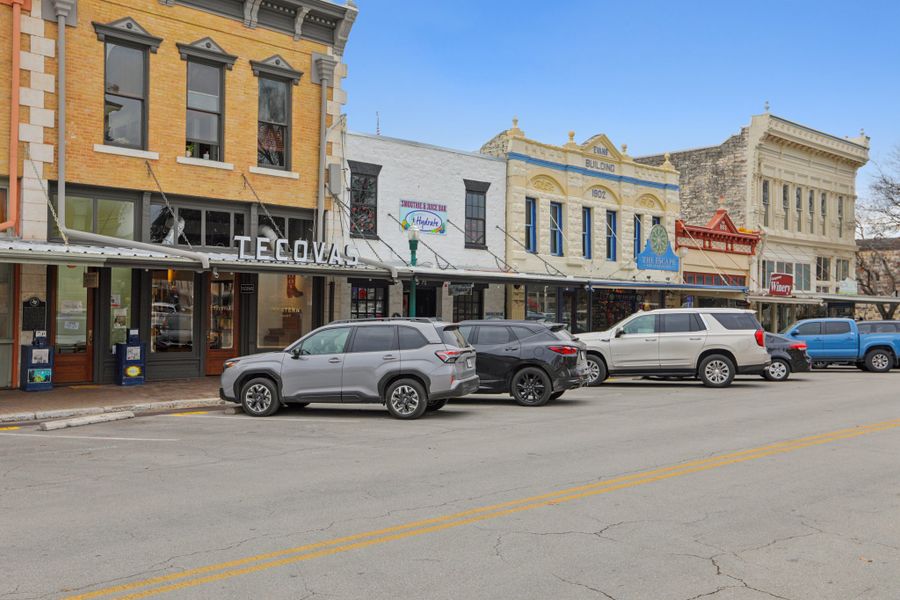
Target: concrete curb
88	420
97	410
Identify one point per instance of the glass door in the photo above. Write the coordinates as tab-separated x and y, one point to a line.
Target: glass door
73	326
6	319
222	315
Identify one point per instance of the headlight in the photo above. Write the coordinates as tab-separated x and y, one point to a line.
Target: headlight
230	363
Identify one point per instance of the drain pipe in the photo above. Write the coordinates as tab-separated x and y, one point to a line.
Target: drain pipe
63	9
325	66
12	200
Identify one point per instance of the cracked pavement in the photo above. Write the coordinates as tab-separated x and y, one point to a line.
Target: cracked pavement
819	523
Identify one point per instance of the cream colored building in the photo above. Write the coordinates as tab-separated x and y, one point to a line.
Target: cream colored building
797	186
583	210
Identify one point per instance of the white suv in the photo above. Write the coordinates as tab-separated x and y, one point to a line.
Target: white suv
712	344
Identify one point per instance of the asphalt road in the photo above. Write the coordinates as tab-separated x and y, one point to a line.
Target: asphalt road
634	490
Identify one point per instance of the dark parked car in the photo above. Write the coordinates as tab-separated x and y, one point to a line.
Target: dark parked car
788	356
533	361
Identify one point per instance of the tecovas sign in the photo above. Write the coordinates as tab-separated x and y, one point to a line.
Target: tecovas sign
301	252
781	284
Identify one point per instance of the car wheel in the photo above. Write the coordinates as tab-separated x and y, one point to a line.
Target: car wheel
879	361
556	395
778	370
716	370
259	397
596	370
436	405
819	364
531	387
406	399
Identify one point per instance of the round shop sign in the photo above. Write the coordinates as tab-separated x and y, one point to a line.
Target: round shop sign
133	371
427	221
659	239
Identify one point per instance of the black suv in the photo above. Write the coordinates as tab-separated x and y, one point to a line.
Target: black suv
534	362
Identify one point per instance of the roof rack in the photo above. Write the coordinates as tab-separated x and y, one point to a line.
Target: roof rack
382	319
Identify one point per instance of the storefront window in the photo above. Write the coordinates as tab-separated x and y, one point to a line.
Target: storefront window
367	302
71	311
283	312
468	306
221	312
119	306
106	216
172	311
541	303
611	306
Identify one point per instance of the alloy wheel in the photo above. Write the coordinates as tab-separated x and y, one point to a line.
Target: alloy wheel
530	387
258	398
404	400
880	361
777	370
593	371
717	372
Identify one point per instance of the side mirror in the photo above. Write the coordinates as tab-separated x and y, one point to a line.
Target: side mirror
793	333
619	332
295	353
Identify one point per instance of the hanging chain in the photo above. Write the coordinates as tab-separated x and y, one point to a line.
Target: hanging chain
505	266
438	257
168	207
265	210
49	203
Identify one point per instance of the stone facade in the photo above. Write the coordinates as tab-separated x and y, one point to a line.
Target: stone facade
877	274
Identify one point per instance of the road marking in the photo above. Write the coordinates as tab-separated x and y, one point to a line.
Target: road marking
90	437
10	428
207	574
309	419
189	413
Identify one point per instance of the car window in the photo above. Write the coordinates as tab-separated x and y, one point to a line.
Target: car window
453	337
491	336
866	327
835	327
410	338
736	320
327	341
809	329
374	338
467	331
643	324
521	332
680	323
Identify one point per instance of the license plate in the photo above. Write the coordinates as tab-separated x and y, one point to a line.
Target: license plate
469	363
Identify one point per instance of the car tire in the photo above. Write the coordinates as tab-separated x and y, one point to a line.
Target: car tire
556	395
716	370
436	405
819	364
406	399
879	361
778	370
259	397
531	387
596	370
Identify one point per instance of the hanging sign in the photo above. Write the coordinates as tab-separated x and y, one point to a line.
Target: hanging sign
781	284
657	254
302	252
848	287
91	279
427	216
460	289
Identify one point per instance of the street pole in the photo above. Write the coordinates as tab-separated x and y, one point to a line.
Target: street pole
413	246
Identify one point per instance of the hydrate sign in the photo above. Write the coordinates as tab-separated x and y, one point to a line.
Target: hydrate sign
428	217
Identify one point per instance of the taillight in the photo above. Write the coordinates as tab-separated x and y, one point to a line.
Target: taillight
798	346
564	350
760	337
449	356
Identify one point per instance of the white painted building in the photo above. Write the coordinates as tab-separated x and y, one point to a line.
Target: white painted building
456	198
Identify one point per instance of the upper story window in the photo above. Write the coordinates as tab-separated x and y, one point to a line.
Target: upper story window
823	268
798	197
823	206
196	226
273	127
786	205
95	213
363	199
205	91
612	235
655	220
587	221
530	224
126	46
812	211
840	215
841	269
638	235
476	196
765	201
556	229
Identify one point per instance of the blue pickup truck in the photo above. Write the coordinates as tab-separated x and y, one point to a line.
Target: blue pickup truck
840	341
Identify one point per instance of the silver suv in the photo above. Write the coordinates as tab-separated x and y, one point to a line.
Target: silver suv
409	365
712	344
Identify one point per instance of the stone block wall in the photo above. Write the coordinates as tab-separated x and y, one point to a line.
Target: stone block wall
706	174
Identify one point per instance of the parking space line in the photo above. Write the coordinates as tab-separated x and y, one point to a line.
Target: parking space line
53	436
244	566
310	419
14	427
190	413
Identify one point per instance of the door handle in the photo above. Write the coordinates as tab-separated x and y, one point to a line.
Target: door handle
695	339
649	339
510	349
388	357
334	360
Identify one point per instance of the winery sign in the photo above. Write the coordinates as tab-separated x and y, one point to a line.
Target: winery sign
300	252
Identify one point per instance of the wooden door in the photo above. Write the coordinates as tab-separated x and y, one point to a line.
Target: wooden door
72	326
222	326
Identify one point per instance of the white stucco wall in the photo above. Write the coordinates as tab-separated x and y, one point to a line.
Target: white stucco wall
415	171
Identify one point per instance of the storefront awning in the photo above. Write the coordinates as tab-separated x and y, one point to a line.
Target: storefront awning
53	253
856	299
783	300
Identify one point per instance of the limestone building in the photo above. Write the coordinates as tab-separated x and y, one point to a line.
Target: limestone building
797	187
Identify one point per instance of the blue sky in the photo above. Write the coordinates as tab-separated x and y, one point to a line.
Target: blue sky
655	75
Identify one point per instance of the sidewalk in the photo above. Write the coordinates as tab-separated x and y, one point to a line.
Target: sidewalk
17	406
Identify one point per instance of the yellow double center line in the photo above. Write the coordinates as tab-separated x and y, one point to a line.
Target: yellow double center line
261	562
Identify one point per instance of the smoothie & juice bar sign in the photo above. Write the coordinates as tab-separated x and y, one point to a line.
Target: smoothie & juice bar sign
429	217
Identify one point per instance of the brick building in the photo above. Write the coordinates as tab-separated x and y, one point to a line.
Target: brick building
797	187
191	128
878	274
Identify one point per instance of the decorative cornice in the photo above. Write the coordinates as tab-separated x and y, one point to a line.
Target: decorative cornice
325	68
276	66
128	30
206	49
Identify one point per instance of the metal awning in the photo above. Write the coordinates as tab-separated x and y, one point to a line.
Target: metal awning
857	299
784	300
